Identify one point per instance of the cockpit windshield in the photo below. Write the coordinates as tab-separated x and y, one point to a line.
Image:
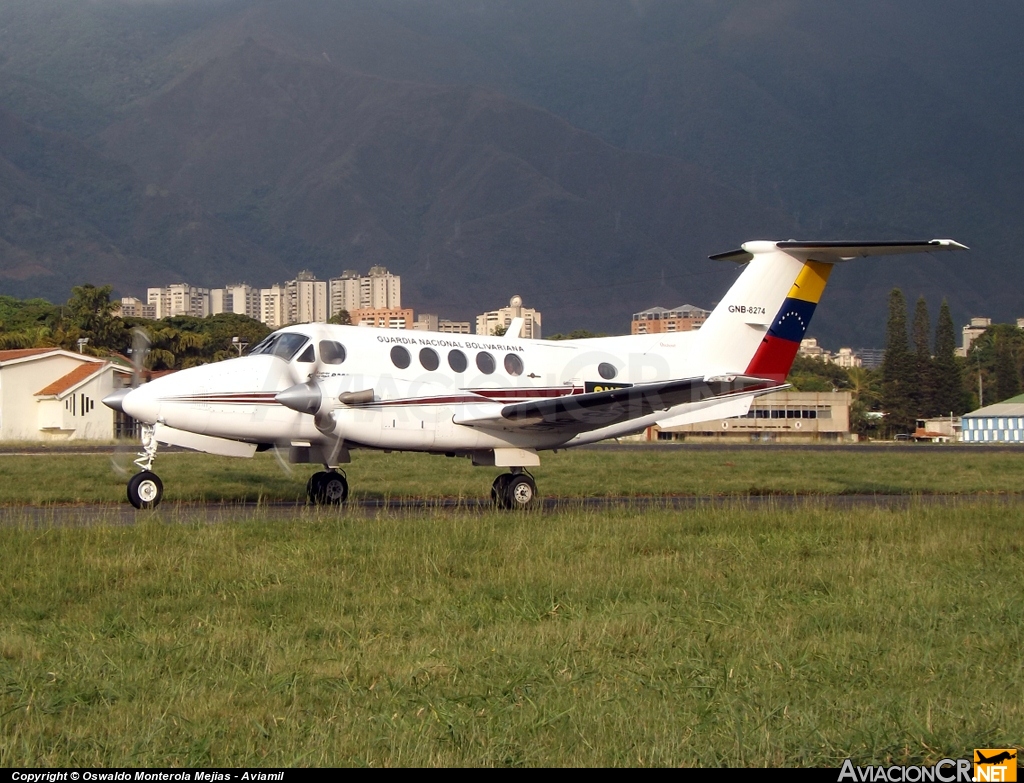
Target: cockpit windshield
282	344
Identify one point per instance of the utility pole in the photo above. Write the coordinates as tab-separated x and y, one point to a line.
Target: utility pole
981	390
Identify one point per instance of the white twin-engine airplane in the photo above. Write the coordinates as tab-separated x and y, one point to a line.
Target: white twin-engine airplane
324	390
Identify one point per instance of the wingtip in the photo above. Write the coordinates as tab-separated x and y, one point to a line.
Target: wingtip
952	244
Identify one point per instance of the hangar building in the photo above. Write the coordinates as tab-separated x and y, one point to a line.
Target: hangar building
999	423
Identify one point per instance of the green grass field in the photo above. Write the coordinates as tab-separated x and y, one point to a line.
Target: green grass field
786	632
723	635
90	478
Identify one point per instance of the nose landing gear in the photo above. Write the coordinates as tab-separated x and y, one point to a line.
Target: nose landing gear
515	490
145	489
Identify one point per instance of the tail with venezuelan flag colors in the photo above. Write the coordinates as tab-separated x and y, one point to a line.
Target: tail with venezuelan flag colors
757	327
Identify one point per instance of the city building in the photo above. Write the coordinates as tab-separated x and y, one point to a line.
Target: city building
975	329
786	416
999	423
345	292
273	306
428	322
453	327
305	299
659	319
847	359
383	317
130	307
240	299
302	300
871	358
53	394
179	299
490	323
810	349
376	290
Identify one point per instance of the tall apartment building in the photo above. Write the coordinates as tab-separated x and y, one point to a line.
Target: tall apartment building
306	299
273	311
240	299
488	323
377	290
380	289
660	319
179	299
344	292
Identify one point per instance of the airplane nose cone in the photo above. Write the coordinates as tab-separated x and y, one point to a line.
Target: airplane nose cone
115	399
302	397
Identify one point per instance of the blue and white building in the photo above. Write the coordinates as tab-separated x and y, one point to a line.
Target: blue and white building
999	423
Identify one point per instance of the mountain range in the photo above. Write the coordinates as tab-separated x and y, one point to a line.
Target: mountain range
588	157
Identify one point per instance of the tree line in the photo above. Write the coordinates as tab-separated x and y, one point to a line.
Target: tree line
89	314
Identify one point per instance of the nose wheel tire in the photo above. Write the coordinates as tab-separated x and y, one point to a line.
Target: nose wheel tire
327	488
514	491
145	490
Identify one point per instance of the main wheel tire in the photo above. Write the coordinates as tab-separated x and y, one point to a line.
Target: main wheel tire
145	490
498	489
327	488
520	491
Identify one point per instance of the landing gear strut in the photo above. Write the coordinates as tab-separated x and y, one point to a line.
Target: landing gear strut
515	490
327	488
145	489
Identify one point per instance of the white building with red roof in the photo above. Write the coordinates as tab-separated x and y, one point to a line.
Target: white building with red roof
53	394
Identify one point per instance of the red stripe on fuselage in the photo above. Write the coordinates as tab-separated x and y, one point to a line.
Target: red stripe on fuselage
773	359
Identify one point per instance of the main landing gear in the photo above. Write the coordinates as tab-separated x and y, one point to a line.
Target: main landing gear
515	490
327	488
145	489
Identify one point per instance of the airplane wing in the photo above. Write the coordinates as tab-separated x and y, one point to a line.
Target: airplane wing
583	412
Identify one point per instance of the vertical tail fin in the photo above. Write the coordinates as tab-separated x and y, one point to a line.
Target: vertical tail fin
757	327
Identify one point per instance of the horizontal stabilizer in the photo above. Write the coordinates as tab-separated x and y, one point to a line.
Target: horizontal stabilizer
831	252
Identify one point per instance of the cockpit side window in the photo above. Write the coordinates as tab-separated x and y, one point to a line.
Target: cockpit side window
263	345
282	344
307	355
332	352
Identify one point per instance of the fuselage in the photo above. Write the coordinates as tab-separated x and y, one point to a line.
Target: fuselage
421	383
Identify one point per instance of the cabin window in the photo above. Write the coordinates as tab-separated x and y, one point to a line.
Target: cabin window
485	362
457	360
331	352
307	355
429	359
607	371
400	357
513	364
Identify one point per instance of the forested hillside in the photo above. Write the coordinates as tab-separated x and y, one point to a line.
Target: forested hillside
589	157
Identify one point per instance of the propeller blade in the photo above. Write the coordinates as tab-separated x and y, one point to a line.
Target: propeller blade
140	349
282	459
